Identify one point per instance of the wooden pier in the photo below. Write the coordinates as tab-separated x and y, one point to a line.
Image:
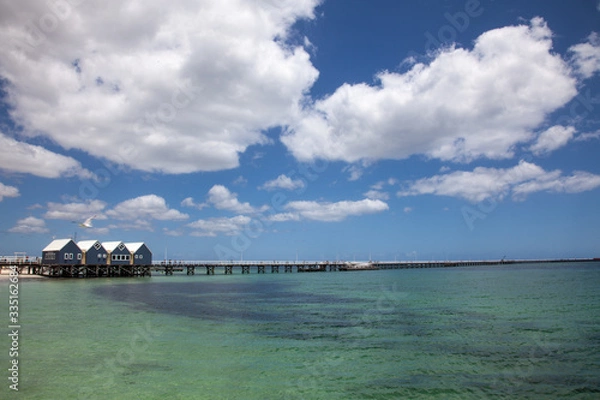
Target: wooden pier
244	267
260	267
78	271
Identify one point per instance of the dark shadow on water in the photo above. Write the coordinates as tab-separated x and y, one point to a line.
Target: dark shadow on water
253	302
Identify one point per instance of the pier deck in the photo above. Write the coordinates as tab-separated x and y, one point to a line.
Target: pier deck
243	267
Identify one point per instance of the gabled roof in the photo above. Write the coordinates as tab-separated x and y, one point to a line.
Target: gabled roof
111	246
86	244
133	247
57	245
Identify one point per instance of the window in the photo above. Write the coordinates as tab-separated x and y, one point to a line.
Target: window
141	256
79	256
68	256
99	255
136	256
50	256
97	245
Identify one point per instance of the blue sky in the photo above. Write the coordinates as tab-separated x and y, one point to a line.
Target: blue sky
313	129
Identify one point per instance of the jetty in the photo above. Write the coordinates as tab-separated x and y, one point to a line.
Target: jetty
36	267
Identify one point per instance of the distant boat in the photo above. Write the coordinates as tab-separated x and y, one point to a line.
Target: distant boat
358	266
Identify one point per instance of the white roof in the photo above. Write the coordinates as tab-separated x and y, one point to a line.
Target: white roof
86	244
133	247
111	246
57	245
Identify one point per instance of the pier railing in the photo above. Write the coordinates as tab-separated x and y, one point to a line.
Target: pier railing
170	267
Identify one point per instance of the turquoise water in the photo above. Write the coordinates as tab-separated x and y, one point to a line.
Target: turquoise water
526	331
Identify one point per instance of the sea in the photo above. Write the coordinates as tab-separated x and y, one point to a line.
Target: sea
521	331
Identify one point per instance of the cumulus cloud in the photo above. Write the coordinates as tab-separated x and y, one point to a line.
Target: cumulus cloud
463	105
75	211
8	191
215	226
552	139
376	195
30	225
283	182
485	183
580	181
221	198
189	202
173	87
25	158
334	212
146	208
376	192
283	217
586	56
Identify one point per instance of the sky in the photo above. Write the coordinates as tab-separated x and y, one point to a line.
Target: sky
303	129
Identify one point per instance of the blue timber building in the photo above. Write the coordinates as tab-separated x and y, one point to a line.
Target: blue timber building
93	252
140	253
62	252
117	253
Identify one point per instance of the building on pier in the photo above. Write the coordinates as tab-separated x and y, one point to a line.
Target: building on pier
62	251
117	253
93	252
140	253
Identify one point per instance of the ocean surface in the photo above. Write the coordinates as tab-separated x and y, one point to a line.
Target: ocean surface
512	332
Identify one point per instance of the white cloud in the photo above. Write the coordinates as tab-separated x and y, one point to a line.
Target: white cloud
381	184
580	181
240	180
356	171
25	158
335	212
144	209
223	199
485	183
377	195
76	211
30	225
174	87
8	191
283	217
283	182
586	56
552	139
463	105
408	210
587	136
189	202
215	226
